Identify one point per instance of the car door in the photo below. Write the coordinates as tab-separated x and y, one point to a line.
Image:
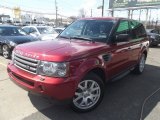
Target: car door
138	34
119	51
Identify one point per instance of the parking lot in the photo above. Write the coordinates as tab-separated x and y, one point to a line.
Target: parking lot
122	101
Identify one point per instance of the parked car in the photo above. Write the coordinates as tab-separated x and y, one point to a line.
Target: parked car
42	32
11	36
154	36
59	29
86	55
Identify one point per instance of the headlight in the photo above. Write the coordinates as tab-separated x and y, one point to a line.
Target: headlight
12	43
53	69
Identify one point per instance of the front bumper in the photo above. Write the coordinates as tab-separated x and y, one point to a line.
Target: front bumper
154	41
57	88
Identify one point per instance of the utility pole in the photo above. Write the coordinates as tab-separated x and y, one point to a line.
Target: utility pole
129	13
146	22
56	8
91	12
102	8
140	14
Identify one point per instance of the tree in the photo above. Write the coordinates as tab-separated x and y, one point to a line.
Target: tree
73	18
82	13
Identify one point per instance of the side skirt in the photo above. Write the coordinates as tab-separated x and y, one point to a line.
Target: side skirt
122	74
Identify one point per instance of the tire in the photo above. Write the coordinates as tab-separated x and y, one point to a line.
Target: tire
89	93
6	52
155	45
141	65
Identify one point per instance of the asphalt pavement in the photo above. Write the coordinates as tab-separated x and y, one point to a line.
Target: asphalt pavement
123	99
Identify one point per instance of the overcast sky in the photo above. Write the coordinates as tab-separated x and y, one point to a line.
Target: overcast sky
71	7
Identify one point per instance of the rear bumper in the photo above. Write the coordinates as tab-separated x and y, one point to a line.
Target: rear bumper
57	88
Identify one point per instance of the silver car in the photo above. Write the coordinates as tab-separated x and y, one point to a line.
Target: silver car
42	32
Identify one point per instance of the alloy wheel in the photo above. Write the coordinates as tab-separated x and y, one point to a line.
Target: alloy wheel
5	51
87	94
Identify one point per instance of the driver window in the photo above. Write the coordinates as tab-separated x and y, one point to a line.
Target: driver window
33	30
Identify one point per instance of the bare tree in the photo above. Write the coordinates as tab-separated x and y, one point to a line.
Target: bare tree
73	18
82	13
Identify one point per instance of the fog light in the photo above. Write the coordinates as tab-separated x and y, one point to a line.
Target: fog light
41	88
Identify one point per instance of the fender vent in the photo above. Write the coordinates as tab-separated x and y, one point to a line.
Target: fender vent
107	57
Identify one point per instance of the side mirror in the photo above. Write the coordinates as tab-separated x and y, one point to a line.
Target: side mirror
122	38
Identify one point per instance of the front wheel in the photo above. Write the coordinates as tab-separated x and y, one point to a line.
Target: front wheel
6	51
89	93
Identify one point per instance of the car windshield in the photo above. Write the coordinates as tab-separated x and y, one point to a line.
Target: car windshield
97	30
46	30
11	31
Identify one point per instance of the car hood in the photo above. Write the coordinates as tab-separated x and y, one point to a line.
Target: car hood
60	49
20	39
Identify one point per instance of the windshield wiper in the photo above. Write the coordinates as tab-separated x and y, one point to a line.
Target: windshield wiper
83	38
64	37
76	37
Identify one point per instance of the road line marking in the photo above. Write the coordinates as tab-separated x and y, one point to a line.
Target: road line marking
3	64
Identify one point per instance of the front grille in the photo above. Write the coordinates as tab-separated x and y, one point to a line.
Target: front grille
23	80
24	63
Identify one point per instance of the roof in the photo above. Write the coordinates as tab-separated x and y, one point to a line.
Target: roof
102	18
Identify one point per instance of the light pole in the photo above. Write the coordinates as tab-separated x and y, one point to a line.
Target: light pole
56	8
91	12
102	8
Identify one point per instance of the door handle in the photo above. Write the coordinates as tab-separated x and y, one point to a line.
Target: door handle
140	45
129	48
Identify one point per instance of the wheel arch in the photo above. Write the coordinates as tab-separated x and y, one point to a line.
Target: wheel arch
100	72
145	52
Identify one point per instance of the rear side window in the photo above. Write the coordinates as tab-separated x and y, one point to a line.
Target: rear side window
138	30
26	29
123	27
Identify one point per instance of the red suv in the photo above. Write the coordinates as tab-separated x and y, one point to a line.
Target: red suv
78	63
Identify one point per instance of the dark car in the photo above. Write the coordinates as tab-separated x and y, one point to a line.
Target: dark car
10	36
154	36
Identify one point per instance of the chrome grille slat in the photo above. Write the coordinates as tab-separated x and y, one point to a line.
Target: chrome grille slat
26	64
26	58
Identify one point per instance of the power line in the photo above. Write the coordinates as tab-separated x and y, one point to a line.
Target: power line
28	7
28	11
34	12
